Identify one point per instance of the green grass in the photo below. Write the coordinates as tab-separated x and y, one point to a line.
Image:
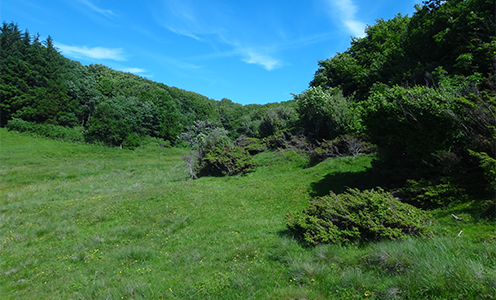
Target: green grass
86	222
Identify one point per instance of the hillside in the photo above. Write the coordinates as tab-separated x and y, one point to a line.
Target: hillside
82	221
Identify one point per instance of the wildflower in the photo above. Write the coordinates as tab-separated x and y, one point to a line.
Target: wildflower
367	294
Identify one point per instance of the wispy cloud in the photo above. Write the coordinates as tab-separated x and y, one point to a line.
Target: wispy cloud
345	11
212	23
259	58
95	52
93	7
134	70
184	32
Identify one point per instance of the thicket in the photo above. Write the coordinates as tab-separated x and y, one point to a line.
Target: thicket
213	153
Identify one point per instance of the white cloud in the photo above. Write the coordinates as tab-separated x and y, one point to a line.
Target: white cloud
184	32
263	60
93	7
345	11
134	70
95	53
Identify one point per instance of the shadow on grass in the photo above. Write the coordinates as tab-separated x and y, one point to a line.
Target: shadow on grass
340	182
286	233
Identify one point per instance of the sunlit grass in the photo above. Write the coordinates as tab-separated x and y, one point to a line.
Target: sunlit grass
86	222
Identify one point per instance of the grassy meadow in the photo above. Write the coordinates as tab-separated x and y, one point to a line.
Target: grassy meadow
87	222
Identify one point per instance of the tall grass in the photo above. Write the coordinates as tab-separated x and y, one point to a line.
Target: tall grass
86	222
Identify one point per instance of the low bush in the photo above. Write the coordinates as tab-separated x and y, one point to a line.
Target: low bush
51	131
229	160
357	216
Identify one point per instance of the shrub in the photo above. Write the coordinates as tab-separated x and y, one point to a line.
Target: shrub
412	124
213	153
427	193
51	131
222	161
357	217
252	145
132	141
325	114
488	165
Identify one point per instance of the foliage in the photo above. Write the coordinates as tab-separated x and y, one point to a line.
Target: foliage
251	145
226	160
121	119
357	216
378	57
325	114
345	145
430	194
456	35
202	137
413	123
274	120
55	132
32	88
488	165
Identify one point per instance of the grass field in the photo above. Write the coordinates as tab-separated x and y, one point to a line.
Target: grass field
86	222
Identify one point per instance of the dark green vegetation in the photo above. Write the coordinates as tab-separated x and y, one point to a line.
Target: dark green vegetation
378	181
357	216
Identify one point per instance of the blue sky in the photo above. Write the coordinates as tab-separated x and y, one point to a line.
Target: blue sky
257	51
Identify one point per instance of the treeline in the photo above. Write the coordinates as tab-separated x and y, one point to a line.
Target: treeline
40	85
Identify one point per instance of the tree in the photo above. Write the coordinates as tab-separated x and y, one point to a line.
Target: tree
117	118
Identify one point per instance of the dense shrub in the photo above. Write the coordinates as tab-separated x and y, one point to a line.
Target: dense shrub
488	166
427	193
55	132
412	123
213	153
252	145
229	160
357	216
325	114
123	121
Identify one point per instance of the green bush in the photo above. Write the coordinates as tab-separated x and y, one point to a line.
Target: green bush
325	114
229	160
357	216
132	141
427	193
488	165
252	145
412	123
51	131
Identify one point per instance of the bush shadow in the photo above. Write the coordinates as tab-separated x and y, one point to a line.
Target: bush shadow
342	181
